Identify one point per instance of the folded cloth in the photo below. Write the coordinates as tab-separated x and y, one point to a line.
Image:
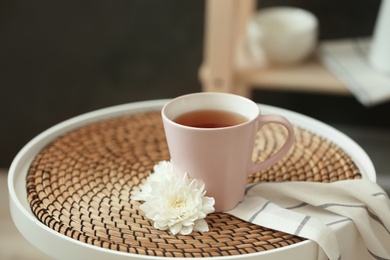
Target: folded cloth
348	60
348	219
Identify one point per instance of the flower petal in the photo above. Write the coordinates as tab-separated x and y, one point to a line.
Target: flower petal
201	225
186	230
175	228
208	205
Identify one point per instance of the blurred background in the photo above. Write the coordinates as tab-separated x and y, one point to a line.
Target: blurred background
59	59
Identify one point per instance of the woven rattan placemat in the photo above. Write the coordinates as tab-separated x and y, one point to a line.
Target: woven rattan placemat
80	185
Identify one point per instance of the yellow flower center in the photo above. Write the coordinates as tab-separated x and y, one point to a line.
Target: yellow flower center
178	203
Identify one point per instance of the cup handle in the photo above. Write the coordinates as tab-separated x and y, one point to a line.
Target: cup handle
265	119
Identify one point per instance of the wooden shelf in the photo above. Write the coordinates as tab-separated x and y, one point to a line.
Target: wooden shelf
310	76
226	67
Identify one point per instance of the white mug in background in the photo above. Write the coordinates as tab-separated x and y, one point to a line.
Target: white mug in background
281	35
217	148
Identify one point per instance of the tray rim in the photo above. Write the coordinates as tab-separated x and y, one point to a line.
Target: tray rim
53	242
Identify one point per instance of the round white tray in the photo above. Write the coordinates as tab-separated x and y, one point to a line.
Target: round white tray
60	246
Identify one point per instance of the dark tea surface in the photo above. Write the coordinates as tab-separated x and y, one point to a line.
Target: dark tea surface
210	119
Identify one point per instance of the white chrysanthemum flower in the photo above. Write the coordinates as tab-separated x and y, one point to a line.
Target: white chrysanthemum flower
175	203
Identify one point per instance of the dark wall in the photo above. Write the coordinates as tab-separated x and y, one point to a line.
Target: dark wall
62	58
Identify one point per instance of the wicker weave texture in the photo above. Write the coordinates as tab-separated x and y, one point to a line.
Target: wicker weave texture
81	184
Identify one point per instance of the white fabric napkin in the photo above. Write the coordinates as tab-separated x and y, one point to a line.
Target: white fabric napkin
348	60
347	219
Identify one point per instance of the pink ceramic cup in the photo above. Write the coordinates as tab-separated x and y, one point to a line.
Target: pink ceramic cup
221	157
